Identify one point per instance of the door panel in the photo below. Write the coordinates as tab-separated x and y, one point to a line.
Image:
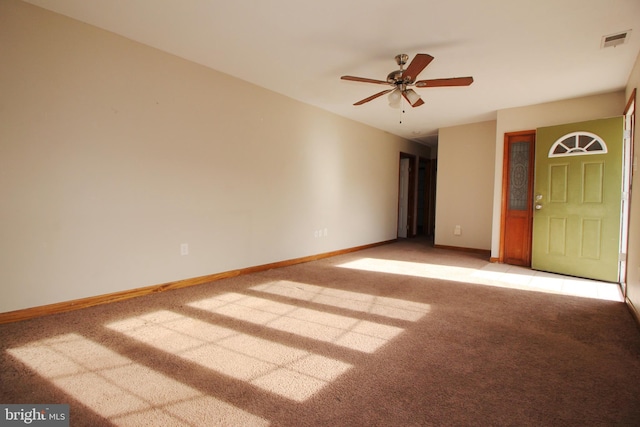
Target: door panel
557	236
576	224
558	176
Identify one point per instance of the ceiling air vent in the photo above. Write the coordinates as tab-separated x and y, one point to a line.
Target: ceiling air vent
614	40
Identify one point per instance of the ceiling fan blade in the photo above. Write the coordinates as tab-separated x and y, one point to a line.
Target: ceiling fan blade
455	81
364	80
373	97
416	66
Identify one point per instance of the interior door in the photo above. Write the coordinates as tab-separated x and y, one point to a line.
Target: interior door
577	199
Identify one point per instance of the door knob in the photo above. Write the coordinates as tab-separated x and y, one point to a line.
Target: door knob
538	206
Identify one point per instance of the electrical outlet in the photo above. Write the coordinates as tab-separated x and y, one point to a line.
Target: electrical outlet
184	249
457	231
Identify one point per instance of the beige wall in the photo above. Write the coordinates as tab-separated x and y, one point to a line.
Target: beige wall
113	154
633	254
465	185
548	114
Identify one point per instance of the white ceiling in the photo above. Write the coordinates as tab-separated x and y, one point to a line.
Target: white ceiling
520	52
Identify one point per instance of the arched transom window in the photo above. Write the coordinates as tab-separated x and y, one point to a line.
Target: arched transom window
578	144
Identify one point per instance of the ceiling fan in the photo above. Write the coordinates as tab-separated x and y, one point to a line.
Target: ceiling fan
403	79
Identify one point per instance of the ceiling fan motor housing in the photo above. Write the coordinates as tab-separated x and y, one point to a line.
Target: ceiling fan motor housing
395	77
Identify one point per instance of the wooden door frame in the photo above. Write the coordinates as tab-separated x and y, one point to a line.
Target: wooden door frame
505	188
628	169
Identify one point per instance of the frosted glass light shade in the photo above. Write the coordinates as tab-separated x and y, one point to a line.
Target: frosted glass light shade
395	97
412	96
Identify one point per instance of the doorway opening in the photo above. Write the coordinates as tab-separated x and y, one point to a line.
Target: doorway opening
407	196
426	215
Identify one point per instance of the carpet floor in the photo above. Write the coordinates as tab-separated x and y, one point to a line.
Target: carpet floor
370	338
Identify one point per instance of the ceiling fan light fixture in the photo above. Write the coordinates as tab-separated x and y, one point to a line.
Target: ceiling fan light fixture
395	98
412	96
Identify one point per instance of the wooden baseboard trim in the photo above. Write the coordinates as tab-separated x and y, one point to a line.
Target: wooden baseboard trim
494	259
61	307
485	252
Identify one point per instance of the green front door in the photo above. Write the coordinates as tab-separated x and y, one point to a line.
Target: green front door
577	199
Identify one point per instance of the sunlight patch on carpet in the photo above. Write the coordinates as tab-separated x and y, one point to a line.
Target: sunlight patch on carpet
365	303
356	334
122	391
289	372
493	274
